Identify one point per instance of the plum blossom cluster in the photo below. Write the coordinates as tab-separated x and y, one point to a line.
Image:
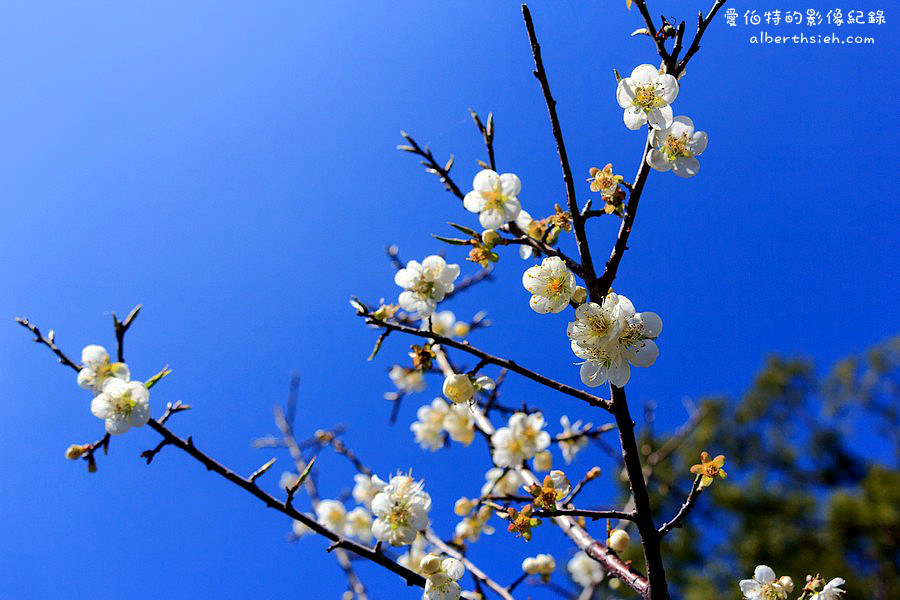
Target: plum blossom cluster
521	439
439	417
766	585
647	96
401	510
425	284
441	577
610	336
120	402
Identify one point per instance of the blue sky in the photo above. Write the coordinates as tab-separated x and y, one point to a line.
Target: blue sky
232	167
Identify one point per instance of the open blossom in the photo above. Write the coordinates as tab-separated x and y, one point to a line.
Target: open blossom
429	428
551	284
764	585
366	488
472	526
500	483
441	577
611	336
425	284
543	461
646	97
358	524
494	198
332	514
676	148
401	511
570	440
407	380
458	388
831	591
122	404
441	323
521	439
96	369
542	564
459	423
584	570
300	529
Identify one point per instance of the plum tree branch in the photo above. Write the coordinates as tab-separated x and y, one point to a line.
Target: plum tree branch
685	508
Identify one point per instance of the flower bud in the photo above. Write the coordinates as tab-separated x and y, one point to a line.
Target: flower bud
543	461
463	507
75	451
430	565
490	237
461	329
483	382
458	388
619	540
787	583
594	473
554	235
579	295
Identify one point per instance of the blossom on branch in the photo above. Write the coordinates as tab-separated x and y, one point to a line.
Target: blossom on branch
551	284
441	577
425	284
521	439
458	388
542	564
401	511
366	488
122	405
572	438
584	570
429	429
709	468
494	198
96	369
500	482
676	148
763	586
646	97
407	380
332	514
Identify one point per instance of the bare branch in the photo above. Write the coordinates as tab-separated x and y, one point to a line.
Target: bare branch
695	44
685	508
49	342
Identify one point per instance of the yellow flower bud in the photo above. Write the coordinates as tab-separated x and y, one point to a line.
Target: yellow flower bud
619	540
787	583
490	237
430	565
75	451
463	507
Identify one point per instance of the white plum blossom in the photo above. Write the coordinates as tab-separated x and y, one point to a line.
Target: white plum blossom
543	461
831	591
584	570
441	577
498	483
425	284
551	284
676	148
763	586
401	511
441	322
359	524
300	529
459	423
618	540
494	198
332	514
428	429
521	439
366	487
122	404
610	336
458	388
96	369
407	380
542	564
646	96
471	527
570	440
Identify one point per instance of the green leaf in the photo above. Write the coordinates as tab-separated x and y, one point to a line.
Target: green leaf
153	380
464	229
452	241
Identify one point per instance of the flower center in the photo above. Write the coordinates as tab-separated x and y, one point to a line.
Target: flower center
494	199
647	97
125	404
556	286
676	147
424	288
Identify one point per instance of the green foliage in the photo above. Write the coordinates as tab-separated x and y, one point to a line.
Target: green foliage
799	497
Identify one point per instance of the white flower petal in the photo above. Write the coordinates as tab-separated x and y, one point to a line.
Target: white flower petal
634	117
510	184
764	574
686	167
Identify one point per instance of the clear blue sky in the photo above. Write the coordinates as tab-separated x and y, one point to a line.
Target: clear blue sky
231	166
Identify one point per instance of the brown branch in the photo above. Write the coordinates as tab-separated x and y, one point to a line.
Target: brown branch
432	165
685	508
48	341
500	362
338	541
650	539
487	133
590	514
702	24
121	328
657	39
540	73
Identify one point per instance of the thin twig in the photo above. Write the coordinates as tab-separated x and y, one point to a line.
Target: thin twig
432	165
48	341
685	508
702	24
